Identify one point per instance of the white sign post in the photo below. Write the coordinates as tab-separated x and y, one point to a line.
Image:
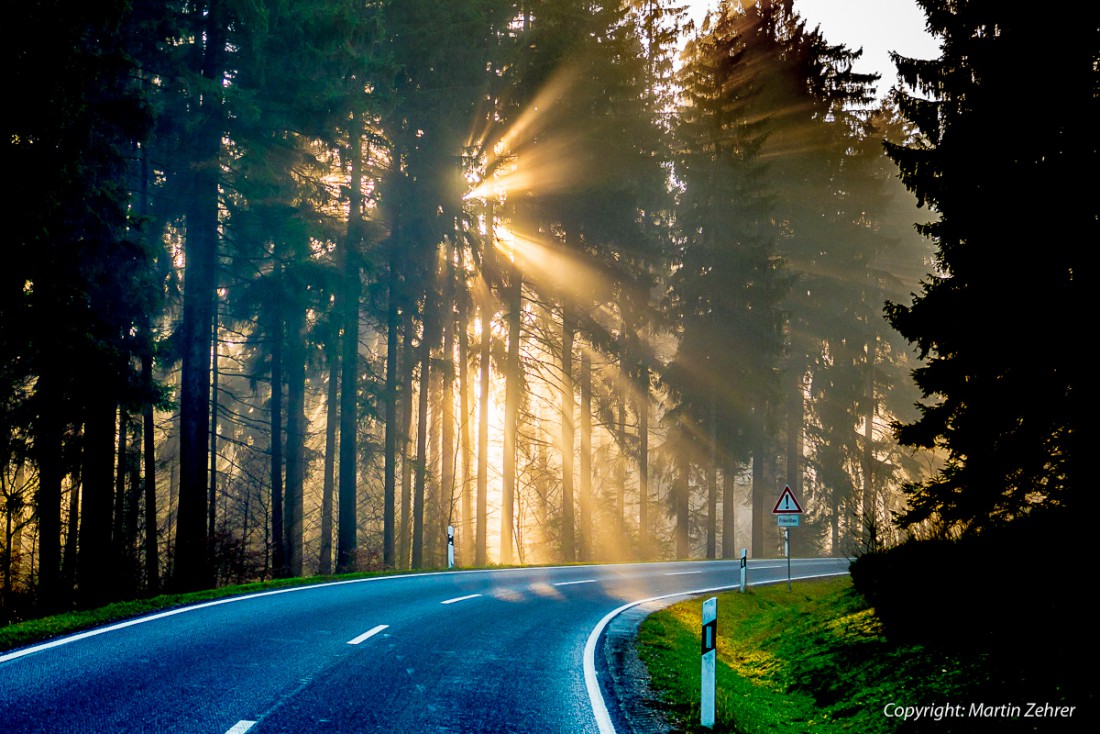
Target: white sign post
787	511
450	546
709	650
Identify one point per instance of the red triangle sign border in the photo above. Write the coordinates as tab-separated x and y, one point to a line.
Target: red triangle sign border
786	501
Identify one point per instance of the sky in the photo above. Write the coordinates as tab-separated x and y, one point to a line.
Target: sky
876	26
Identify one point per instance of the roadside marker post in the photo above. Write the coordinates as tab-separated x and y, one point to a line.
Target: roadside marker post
744	569
450	546
709	651
787	513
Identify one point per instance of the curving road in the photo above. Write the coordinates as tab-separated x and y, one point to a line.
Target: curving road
474	651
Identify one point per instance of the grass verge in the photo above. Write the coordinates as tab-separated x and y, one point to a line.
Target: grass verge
21	634
815	659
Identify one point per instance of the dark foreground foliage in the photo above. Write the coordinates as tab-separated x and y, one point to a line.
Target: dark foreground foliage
1013	594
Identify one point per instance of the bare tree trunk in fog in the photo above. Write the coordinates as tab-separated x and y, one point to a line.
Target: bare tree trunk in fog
512	376
586	500
568	329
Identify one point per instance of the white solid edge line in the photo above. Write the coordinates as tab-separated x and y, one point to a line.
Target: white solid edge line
574	583
289	590
460	598
368	634
595	695
241	727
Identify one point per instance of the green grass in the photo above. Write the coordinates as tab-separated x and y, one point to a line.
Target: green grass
810	660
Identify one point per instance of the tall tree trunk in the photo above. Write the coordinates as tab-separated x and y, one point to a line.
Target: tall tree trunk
68	561
118	527
348	308
96	570
759	500
332	354
682	502
149	456
406	365
870	526
643	464
712	482
389	482
486	312
48	450
512	378
211	515
278	537
296	429
192	568
433	499
420	467
729	513
466	535
447	414
568	329
586	500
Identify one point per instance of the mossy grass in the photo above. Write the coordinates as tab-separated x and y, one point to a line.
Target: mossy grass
815	659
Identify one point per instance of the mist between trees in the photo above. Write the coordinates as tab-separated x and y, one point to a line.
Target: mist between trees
297	285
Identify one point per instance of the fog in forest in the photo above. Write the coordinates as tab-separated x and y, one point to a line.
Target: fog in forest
298	285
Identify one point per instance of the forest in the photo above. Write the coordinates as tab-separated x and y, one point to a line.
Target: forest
291	287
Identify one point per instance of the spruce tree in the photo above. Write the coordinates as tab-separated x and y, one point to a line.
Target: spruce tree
998	322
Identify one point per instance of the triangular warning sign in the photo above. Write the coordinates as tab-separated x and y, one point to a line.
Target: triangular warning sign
787	504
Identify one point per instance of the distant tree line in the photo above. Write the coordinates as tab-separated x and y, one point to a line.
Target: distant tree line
291	287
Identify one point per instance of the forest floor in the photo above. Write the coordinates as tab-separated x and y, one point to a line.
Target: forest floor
816	659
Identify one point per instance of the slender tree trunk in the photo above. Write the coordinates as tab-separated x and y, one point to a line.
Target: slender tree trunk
407	360
433	499
332	354
68	562
118	528
276	411
512	378
759	511
96	570
192	568
296	429
348	307
586	501
870	526
447	414
420	468
48	448
389	500
712	482
133	505
729	514
152	555
487	260
466	536
568	329
682	502
211	507
643	464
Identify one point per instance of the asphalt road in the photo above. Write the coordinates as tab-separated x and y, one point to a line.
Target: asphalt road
476	651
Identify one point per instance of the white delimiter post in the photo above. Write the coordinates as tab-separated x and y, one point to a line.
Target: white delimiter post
710	642
744	568
450	546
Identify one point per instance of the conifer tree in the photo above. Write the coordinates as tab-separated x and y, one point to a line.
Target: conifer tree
998	322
